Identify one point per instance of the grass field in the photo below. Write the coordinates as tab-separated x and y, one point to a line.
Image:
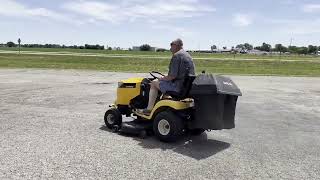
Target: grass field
141	64
168	54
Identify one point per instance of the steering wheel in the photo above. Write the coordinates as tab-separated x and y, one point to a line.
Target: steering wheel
153	74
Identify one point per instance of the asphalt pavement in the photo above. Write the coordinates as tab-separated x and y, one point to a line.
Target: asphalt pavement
51	127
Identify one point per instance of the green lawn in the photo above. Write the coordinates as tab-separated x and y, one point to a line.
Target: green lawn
140	64
168	54
87	51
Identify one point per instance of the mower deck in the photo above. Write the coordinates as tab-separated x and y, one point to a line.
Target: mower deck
136	127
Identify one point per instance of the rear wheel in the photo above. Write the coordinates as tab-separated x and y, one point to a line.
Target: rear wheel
167	126
112	118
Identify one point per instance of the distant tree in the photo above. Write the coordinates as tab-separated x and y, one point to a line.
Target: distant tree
224	47
264	47
293	49
245	46
145	47
302	50
100	47
110	48
312	49
213	47
280	48
11	44
240	46
161	50
248	46
97	46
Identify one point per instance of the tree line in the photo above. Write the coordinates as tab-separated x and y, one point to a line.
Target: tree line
147	47
311	49
144	47
86	46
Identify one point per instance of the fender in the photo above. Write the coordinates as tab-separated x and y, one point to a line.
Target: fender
177	105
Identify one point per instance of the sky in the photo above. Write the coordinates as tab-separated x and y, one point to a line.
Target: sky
127	23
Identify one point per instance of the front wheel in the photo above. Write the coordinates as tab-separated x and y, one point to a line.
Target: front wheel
112	118
167	126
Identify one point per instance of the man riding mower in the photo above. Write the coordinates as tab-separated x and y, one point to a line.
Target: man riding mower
206	102
191	104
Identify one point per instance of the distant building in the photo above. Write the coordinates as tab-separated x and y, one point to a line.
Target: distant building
137	48
202	51
116	48
257	52
221	50
275	52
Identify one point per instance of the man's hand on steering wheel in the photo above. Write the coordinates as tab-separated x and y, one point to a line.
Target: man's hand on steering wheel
156	74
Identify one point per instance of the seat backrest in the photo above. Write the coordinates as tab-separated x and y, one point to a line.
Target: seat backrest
187	84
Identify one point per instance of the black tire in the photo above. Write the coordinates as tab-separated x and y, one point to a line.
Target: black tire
196	132
112	118
167	126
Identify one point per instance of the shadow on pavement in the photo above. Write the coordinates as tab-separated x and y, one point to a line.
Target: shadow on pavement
197	147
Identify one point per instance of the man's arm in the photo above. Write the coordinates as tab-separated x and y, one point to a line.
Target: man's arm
167	78
173	69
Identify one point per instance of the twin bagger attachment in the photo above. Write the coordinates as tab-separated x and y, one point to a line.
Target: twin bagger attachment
215	99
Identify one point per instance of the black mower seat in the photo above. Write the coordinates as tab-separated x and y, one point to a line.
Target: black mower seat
184	93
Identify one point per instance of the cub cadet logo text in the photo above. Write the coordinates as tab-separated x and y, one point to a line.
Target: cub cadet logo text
227	83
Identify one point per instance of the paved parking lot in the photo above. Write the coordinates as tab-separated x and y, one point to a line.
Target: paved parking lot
51	127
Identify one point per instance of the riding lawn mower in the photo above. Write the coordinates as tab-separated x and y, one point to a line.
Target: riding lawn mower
206	102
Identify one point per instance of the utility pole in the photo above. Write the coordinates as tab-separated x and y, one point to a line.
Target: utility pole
291	42
19	41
